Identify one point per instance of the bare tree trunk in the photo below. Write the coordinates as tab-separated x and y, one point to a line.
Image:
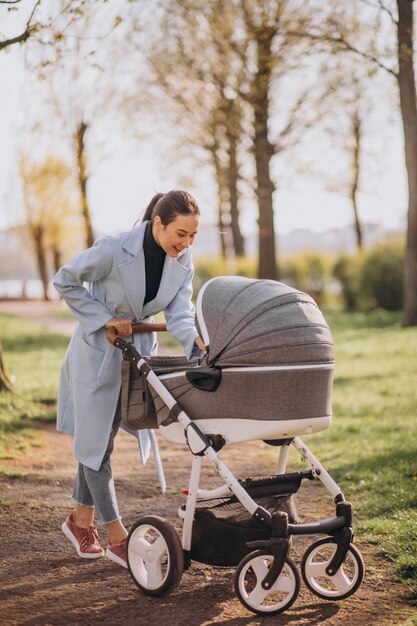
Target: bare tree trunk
220	201
5	383
83	179
56	258
357	135
407	87
264	151
233	177
38	241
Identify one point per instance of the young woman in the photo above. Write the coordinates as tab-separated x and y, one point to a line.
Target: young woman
131	277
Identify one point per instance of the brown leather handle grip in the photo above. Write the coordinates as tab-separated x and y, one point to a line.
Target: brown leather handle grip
149	327
139	327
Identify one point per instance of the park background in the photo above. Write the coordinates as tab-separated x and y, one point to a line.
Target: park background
290	121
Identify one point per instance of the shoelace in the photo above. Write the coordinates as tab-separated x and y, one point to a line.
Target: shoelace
90	538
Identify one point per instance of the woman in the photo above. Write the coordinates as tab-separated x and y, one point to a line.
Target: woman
132	277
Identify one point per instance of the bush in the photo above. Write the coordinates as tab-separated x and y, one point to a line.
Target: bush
346	270
207	268
381	281
309	272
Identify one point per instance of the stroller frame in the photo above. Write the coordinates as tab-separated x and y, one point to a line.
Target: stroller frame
277	582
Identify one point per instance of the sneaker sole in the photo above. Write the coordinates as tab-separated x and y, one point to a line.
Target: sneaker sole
113	557
84	555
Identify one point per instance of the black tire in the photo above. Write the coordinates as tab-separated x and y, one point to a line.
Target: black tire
247	580
345	582
157	571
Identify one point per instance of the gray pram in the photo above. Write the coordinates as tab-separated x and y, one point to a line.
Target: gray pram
267	375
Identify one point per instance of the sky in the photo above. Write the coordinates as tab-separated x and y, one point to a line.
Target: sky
123	183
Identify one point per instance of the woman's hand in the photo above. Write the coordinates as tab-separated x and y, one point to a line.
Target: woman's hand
123	326
200	344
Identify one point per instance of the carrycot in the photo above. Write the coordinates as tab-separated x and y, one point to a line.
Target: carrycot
269	366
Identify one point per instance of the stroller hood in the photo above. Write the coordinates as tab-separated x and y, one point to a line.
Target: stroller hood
248	322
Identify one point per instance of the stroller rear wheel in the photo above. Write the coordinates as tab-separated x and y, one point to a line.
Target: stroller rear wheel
344	583
248	584
155	556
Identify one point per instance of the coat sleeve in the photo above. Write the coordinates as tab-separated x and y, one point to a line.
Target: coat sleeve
91	265
180	315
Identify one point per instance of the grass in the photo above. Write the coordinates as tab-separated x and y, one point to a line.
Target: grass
32	358
370	449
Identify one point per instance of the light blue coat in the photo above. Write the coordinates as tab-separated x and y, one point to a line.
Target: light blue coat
91	371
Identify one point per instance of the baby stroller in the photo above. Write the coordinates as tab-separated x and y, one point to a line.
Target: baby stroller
267	375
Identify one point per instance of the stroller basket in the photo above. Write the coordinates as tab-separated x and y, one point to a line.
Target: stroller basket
222	528
138	408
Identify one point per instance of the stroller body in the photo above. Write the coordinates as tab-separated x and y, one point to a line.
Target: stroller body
267	376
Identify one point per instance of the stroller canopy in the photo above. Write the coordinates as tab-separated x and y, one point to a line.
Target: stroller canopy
246	322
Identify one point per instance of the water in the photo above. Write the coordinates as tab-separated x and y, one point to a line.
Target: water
32	289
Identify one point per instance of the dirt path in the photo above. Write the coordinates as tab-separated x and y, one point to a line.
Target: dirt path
42	582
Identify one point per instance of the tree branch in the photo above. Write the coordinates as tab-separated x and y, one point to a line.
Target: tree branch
27	32
340	42
383	8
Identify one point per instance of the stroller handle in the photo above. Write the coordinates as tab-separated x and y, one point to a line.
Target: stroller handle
139	327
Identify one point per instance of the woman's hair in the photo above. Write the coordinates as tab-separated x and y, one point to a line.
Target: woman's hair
168	205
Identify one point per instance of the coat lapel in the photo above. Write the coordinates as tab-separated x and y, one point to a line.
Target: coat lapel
172	276
132	271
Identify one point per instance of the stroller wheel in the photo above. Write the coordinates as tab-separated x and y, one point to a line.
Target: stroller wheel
155	556
248	584
347	579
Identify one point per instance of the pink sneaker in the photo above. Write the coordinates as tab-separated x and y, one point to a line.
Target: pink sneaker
117	552
85	540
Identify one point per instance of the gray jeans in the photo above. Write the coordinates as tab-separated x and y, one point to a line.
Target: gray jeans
95	489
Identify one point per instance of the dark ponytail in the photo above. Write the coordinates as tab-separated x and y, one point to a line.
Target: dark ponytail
168	205
149	209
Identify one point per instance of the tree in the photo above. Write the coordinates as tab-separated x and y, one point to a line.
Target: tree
202	93
364	31
48	195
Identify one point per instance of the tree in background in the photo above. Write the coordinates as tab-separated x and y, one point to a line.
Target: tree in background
369	31
48	197
199	92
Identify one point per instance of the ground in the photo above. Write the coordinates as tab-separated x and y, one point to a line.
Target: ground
43	582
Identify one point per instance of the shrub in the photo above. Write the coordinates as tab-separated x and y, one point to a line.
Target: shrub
346	270
309	272
381	277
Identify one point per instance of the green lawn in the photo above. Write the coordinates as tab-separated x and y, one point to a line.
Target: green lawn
370	449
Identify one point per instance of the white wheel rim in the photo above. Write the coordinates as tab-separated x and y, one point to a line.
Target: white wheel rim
252	592
330	586
148	557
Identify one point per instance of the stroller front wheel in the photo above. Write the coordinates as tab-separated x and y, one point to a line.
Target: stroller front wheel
344	583
155	557
249	575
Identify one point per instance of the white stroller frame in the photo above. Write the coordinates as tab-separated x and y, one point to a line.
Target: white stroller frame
332	568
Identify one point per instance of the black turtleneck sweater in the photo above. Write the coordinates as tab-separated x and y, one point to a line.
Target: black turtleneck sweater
154	264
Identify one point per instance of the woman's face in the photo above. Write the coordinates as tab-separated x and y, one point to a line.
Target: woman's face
177	235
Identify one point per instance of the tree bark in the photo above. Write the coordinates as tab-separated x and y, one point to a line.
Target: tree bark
233	177
407	89
56	258
83	179
357	135
38	239
264	151
5	382
220	200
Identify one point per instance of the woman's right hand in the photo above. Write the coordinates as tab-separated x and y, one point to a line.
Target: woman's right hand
123	326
